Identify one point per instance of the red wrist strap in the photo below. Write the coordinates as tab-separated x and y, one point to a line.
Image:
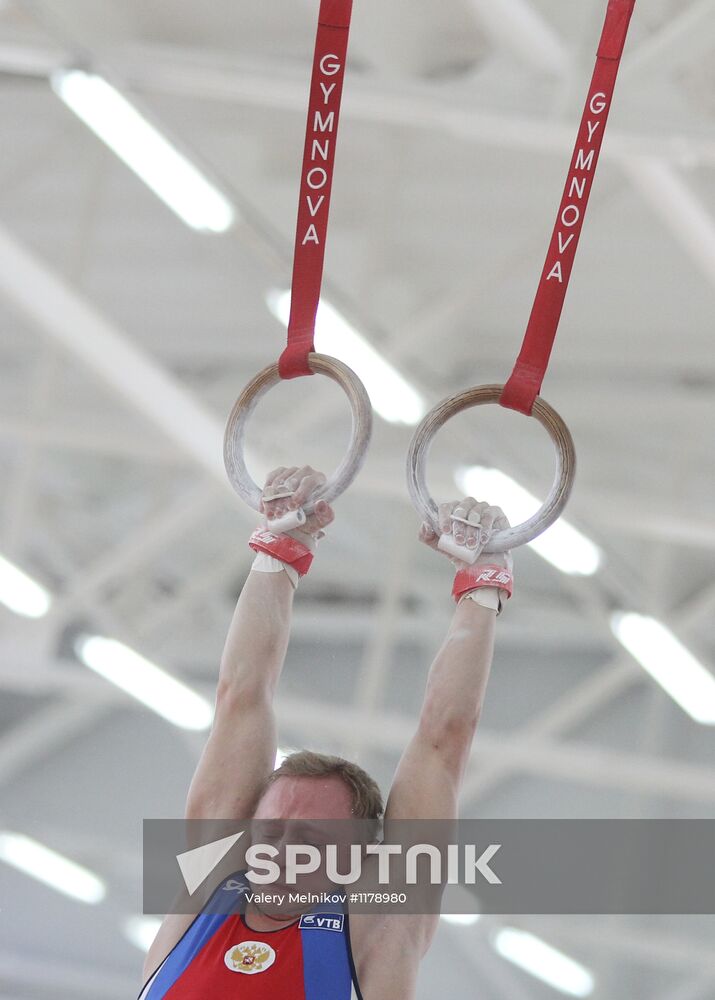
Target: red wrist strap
524	383
474	577
316	182
283	547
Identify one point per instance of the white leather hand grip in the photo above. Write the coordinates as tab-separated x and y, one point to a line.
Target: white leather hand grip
293	519
448	545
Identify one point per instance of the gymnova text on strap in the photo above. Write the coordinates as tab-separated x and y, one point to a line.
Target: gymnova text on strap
317	176
576	186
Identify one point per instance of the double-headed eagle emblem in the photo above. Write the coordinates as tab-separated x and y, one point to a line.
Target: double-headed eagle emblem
250	957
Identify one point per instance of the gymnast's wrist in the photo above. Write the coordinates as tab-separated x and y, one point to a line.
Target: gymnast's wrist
488	584
289	552
486	597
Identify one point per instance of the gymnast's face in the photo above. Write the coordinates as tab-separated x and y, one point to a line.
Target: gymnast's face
291	811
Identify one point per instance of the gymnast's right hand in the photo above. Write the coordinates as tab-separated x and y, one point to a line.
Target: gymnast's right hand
287	489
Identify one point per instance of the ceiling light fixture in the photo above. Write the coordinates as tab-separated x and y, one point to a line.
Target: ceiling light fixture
390	393
688	682
47	866
543	962
20	593
145	681
461	919
169	174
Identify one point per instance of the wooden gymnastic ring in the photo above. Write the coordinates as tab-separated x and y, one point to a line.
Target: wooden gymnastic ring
233	443
480	395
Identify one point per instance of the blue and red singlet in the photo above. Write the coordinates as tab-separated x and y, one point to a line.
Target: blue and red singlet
220	957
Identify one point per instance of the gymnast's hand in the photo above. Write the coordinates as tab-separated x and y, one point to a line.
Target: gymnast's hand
300	483
482	520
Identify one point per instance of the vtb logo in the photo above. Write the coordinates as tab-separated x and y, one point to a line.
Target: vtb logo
322	921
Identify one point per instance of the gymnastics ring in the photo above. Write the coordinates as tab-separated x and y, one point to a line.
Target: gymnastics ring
478	396
321	364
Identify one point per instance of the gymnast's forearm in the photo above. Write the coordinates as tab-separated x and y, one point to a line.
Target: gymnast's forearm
431	771
258	636
243	739
257	639
457	681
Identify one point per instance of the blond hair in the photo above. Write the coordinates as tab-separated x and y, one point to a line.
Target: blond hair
366	795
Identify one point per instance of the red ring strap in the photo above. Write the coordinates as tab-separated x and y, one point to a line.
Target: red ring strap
524	383
326	89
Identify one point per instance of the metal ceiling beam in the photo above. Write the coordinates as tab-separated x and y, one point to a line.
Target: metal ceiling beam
592	766
343	625
645	517
135	548
19	492
568	760
61	313
166	611
383	632
109	440
185	73
574	706
33	61
410	105
697	609
677	35
517	27
48	729
671	200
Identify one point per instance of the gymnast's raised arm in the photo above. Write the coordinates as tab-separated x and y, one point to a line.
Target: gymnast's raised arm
243	740
429	776
241	748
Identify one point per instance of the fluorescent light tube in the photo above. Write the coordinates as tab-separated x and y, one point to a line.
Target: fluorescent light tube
20	593
146	682
53	869
141	931
169	174
674	667
543	962
390	393
561	544
461	919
